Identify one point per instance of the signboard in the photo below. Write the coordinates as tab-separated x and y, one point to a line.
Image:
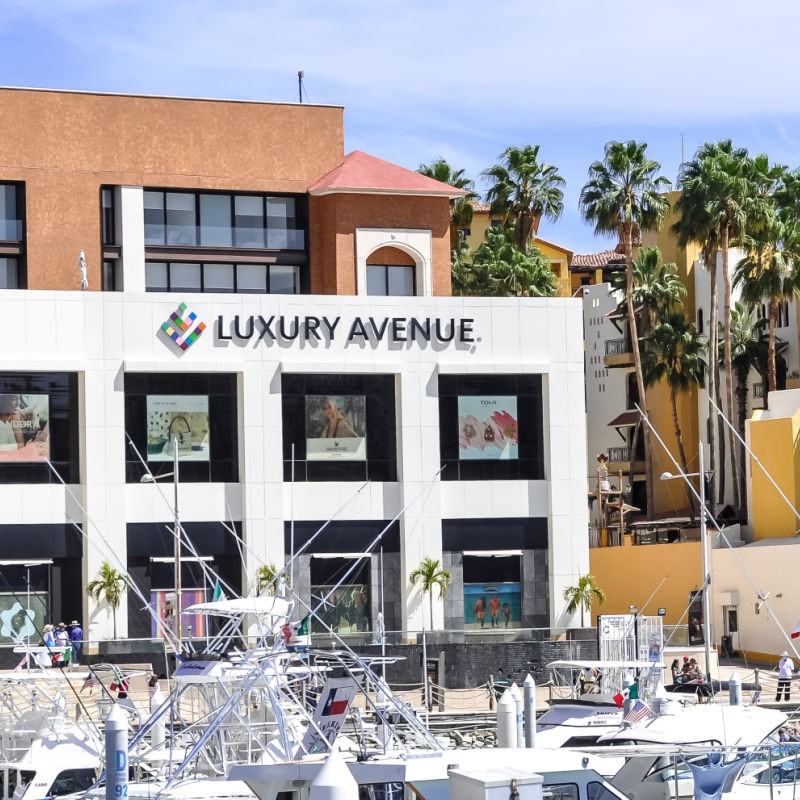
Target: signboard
696	619
24	427
336	427
492	605
177	421
487	428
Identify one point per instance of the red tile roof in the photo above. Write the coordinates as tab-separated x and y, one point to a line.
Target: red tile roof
362	173
592	261
481	208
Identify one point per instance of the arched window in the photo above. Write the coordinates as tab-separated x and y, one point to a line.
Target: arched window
391	272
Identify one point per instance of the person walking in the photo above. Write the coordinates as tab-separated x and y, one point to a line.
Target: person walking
76	637
785	671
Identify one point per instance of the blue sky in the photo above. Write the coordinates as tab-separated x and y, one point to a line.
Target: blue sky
461	80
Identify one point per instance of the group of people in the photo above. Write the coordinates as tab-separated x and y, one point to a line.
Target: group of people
479	611
63	646
688	673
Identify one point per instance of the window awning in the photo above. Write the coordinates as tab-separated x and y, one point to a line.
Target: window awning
626	419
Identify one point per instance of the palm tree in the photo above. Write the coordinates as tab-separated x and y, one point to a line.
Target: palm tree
771	270
581	595
716	194
267	578
674	353
624	196
430	573
749	350
460	207
509	272
524	190
109	586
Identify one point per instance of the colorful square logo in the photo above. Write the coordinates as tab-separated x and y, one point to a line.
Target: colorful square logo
179	327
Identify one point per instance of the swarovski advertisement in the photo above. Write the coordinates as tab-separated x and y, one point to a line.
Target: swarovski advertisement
177	421
495	605
24	427
487	428
335	427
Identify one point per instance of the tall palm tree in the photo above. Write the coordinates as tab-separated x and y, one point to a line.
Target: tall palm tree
109	586
581	595
771	270
509	272
460	207
674	353
716	192
624	196
431	574
524	190
749	350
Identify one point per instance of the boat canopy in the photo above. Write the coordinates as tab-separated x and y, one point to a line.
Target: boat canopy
261	606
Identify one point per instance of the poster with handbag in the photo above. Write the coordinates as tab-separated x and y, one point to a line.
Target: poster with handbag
177	421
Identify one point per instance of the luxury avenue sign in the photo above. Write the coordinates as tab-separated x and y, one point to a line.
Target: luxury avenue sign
285	330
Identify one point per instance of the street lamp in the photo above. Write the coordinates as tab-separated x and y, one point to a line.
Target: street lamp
668	476
150	478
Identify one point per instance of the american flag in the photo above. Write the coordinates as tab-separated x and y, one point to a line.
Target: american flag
88	683
637	712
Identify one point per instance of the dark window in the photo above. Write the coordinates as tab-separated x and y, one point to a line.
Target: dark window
108	218
9	273
372	396
523	459
12	232
112	275
220	219
225	277
72	780
56	396
395	281
209	419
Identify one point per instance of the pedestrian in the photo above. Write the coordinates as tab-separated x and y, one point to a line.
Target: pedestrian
62	658
76	637
785	670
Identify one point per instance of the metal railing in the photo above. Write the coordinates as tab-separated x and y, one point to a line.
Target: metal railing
616	347
617	454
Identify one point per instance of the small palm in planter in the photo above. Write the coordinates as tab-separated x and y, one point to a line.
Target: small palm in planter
109	586
582	594
430	573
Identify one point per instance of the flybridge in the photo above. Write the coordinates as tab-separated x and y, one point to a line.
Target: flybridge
360	330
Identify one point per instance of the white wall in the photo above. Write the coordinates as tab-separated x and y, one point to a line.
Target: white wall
103	335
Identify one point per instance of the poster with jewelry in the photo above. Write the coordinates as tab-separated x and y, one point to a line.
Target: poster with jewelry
24	427
336	427
487	428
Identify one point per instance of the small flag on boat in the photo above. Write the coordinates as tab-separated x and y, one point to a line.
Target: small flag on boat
120	682
88	684
637	713
796	631
334	707
218	593
628	693
302	628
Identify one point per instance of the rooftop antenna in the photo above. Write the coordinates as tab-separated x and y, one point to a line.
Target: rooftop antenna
300	84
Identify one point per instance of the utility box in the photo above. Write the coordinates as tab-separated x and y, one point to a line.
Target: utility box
494	784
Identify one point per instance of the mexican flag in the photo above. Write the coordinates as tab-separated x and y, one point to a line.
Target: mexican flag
628	693
218	593
796	631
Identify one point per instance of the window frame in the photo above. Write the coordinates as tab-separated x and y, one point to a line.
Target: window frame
234	265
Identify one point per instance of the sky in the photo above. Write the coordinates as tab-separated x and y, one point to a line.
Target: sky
441	78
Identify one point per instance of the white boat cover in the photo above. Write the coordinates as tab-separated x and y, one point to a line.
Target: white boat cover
262	606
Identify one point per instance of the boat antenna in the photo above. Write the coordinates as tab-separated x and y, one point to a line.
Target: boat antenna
300	90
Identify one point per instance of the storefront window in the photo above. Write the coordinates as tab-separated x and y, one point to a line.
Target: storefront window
492	592
343	607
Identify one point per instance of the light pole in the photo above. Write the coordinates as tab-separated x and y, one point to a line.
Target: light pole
668	476
148	478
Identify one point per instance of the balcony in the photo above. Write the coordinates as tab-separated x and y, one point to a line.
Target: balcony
618	353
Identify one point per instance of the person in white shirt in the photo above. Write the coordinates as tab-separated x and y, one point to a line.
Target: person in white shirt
785	671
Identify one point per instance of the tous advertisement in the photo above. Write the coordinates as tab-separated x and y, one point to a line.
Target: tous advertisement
496	605
177	421
487	428
335	427
24	427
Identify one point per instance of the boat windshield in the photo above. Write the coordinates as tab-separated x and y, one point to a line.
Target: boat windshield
15	781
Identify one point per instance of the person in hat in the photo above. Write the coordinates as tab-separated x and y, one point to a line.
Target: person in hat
62	658
785	671
76	637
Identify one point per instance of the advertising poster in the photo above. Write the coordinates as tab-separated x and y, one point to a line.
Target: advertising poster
487	428
492	605
24	427
346	610
696	621
162	601
177	421
336	427
20	623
